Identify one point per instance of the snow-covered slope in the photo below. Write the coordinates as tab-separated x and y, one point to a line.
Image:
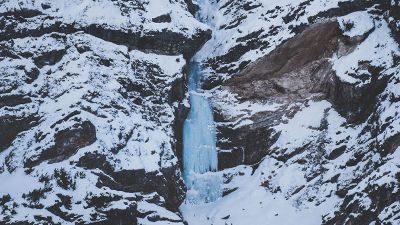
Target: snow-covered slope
306	100
89	95
306	95
147	25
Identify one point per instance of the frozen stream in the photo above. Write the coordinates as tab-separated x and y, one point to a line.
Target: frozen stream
199	139
199	144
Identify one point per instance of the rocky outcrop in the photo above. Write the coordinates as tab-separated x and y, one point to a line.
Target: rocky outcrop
11	126
134	36
353	212
297	70
93	99
355	103
165	42
313	113
167	184
292	71
67	143
193	8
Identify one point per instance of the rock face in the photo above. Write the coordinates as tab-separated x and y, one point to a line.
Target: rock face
301	68
89	95
118	29
296	71
93	98
305	98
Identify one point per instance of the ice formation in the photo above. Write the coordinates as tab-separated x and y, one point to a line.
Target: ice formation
199	138
199	144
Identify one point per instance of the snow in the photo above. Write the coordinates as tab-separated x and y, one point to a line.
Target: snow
278	189
140	135
253	204
19	182
135	135
268	16
240	111
377	49
297	132
207	12
119	15
361	23
156	210
390	213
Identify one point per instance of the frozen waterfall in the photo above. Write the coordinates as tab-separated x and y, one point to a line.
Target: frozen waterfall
199	145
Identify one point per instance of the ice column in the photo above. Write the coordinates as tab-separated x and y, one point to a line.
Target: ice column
199	144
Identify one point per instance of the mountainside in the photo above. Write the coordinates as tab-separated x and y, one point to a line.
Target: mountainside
306	100
89	94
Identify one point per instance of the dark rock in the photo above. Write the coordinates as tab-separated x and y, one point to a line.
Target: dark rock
161	42
49	58
144	88
265	78
297	190
297	70
284	157
249	6
92	160
32	75
118	217
390	145
162	19
67	143
100	201
155	218
13	100
341	193
181	113
227	192
295	14
250	42
45	6
193	8
394	12
11	126
177	94
65	201
347	7
246	144
44	220
168	184
66	118
336	152
229	159
351	211
22	13
357	157
353	102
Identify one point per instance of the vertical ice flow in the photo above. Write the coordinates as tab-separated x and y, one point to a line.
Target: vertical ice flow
199	144
199	139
